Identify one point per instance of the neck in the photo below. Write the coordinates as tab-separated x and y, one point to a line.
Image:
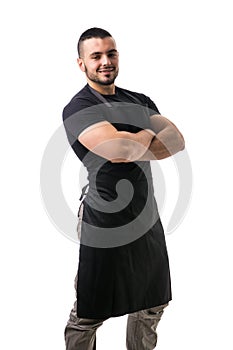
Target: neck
102	89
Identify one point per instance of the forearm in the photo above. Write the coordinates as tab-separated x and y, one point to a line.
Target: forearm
133	145
106	141
167	142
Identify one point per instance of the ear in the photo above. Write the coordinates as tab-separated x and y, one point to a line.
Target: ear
81	64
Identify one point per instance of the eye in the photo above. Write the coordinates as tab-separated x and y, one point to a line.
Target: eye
96	57
112	55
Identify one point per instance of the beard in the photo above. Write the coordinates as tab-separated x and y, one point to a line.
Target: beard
107	80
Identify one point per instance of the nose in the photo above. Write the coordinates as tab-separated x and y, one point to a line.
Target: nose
105	60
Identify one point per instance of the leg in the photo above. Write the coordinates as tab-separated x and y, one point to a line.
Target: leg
141	328
80	333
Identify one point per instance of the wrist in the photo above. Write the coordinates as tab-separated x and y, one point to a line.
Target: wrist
151	132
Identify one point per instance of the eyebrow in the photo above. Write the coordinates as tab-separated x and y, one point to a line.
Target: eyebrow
100	53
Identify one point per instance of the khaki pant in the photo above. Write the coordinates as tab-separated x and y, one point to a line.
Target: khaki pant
80	333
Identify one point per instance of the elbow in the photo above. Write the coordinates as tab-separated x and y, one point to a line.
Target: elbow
179	144
182	143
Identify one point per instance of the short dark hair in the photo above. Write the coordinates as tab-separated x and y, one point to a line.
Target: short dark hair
92	33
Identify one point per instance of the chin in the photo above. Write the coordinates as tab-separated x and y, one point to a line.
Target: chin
107	82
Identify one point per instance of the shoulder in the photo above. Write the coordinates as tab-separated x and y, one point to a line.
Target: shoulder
140	98
83	99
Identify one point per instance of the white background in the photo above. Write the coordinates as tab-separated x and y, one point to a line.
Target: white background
180	54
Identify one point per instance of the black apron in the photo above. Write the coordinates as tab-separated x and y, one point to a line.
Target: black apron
123	261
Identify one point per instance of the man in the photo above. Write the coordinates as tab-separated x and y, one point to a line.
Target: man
123	263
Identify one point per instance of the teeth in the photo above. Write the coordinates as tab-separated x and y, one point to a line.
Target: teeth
106	70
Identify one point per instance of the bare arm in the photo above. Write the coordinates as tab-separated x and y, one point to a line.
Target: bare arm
106	141
168	140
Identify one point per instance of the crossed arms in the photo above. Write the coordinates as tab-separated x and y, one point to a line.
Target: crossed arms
162	141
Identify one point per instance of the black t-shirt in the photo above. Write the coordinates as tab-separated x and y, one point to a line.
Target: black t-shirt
124	110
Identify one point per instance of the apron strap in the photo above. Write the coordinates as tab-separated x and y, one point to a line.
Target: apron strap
83	192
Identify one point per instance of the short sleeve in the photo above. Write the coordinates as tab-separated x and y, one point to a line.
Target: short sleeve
152	107
79	115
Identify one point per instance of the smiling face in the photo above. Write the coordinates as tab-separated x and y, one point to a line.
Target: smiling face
99	61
